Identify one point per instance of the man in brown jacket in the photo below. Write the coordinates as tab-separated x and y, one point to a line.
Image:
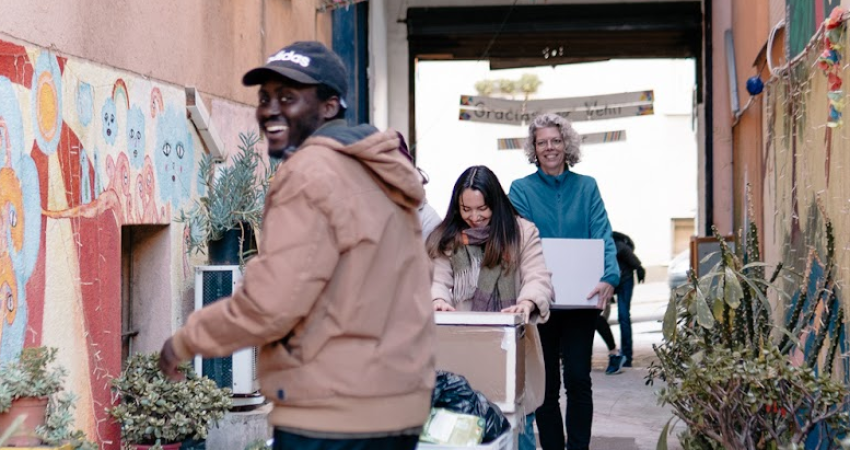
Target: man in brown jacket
338	298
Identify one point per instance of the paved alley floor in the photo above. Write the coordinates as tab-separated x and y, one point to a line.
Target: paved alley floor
626	411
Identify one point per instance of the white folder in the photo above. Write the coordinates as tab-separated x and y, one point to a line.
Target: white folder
577	266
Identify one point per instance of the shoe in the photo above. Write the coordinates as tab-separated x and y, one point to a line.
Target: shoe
615	364
627	364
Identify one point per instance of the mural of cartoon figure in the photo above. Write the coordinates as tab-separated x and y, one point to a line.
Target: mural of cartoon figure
145	188
110	125
20	225
46	97
117	197
11	200
136	136
174	157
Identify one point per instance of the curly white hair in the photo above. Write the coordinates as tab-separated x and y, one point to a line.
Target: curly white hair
572	139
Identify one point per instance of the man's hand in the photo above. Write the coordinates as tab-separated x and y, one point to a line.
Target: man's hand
169	361
524	307
442	305
605	291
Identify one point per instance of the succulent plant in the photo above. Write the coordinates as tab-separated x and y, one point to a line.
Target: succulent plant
58	426
153	409
35	374
30	376
235	195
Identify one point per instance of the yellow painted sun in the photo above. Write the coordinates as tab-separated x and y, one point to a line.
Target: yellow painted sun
48	105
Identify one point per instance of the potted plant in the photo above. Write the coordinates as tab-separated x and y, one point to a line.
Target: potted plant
225	220
740	376
154	412
57	429
26	385
33	408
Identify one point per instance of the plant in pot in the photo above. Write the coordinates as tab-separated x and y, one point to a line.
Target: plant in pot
157	413
26	386
741	376
57	429
225	220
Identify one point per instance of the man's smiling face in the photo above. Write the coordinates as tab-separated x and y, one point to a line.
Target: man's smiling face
287	113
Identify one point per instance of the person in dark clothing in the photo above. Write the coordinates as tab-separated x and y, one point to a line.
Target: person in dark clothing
629	264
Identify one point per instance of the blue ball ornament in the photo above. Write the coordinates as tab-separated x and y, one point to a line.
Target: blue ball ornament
755	85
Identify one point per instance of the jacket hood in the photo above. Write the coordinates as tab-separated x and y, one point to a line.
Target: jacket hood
378	152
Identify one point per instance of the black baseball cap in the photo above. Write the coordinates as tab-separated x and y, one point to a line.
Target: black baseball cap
307	62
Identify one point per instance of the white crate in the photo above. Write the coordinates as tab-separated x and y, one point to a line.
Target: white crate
504	442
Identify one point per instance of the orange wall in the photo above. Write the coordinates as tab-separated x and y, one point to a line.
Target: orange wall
750	29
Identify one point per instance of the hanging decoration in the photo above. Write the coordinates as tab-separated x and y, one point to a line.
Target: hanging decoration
329	5
828	61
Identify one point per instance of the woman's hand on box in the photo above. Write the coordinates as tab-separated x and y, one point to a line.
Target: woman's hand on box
442	305
524	307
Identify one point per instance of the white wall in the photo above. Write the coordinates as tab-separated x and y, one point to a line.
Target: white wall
645	181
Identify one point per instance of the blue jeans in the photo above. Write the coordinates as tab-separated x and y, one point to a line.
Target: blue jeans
624	304
526	438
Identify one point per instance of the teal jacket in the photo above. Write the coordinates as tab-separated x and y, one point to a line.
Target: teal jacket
567	206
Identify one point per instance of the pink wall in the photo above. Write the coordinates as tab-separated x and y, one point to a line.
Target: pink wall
204	43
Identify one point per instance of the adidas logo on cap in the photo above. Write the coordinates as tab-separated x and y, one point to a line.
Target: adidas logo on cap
301	60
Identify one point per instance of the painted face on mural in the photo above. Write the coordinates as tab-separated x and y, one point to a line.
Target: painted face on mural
8	292
20	206
173	156
288	113
110	126
136	136
11	225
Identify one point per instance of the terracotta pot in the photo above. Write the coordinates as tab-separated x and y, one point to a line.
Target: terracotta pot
34	408
174	446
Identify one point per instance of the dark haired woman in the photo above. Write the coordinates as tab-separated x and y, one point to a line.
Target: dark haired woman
486	258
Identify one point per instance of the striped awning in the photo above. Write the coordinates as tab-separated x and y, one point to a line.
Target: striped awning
329	5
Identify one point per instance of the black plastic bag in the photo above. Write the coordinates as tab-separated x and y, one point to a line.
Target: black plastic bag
454	393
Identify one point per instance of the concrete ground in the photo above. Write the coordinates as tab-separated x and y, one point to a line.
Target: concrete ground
626	411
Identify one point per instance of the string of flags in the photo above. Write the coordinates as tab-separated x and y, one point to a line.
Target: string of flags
520	112
828	61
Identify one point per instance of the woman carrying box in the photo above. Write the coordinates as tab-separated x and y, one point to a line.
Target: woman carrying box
564	204
487	258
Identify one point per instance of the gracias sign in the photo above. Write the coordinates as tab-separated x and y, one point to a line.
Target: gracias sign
516	112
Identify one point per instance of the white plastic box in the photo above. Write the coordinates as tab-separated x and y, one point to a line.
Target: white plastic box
487	349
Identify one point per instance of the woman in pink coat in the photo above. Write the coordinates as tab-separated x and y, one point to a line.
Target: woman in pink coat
487	258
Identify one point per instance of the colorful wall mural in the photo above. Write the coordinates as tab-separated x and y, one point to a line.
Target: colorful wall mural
803	170
84	150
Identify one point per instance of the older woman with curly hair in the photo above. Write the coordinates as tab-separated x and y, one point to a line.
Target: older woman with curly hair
564	204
